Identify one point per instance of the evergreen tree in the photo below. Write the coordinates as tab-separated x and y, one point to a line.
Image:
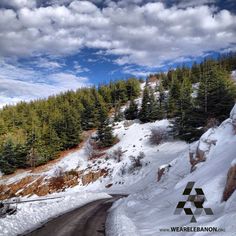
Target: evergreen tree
154	112
184	120
131	112
133	88
104	133
162	101
118	114
145	107
195	73
7	160
174	95
216	94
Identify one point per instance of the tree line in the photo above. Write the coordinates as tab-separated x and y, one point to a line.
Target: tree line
33	133
194	98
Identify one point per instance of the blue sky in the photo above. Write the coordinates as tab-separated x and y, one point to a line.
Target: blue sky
49	46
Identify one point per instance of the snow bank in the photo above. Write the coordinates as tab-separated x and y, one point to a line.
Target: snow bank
118	223
32	215
233	113
153	208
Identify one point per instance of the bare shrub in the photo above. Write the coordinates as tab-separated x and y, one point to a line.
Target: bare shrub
158	136
117	154
90	149
136	162
141	155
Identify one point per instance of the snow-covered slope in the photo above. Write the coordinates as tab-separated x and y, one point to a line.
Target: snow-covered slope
149	211
134	138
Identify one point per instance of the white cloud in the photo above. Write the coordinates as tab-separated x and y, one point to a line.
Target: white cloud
48	63
138	72
148	34
26	84
136	31
79	69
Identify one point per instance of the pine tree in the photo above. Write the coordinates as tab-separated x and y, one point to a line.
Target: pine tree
118	114
153	113
131	111
162	101
105	136
88	119
216	94
173	100
8	162
195	73
133	88
184	120
145	107
20	155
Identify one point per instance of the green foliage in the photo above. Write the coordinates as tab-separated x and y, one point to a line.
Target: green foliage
33	133
145	108
105	136
151	108
174	95
215	98
216	93
190	109
119	115
131	112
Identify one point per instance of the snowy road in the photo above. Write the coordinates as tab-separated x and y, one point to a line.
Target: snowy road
84	221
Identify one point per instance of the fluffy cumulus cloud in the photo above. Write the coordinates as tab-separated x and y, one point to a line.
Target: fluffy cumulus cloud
141	32
146	34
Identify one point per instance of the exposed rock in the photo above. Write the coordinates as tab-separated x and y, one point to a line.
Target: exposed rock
43	190
91	176
39	185
11	190
198	154
231	182
162	170
196	158
30	189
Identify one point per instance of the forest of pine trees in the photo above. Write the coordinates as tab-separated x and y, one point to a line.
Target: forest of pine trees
33	133
193	98
197	96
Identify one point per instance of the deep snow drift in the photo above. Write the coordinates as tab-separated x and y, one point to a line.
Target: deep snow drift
148	211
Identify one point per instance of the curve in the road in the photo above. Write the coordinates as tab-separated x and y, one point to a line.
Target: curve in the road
88	220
